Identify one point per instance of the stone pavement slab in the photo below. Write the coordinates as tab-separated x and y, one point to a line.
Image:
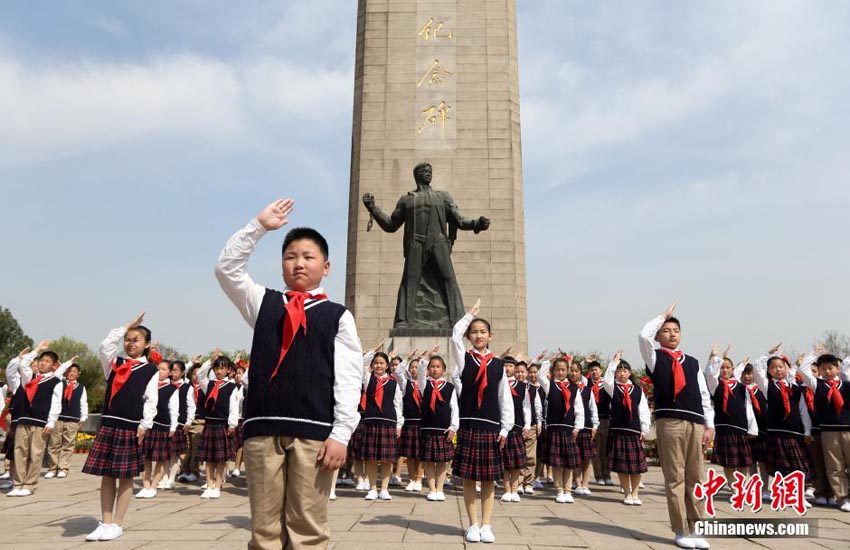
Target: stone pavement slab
63	511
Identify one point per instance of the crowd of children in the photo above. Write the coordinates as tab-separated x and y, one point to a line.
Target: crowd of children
322	413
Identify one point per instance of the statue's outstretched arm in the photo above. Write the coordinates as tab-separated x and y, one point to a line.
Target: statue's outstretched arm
464	224
390	223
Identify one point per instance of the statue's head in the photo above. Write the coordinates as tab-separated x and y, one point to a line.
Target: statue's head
422	173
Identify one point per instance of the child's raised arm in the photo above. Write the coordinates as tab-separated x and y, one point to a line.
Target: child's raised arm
845	368
805	369
458	349
646	339
60	372
13	373
608	379
84	406
643	414
230	270
204	371
712	369
760	376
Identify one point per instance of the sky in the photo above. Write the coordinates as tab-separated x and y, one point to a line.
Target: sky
690	151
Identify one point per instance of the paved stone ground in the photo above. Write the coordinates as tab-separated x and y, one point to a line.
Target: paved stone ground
62	511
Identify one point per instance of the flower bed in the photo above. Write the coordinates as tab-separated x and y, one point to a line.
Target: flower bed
84	442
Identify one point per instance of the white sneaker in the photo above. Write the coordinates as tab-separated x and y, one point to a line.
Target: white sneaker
568	498
385	495
520	491
432	497
529	490
441	496
684	541
537	485
820	501
560	498
62	474
473	534
332	496
236	473
640	485
487	534
14	493
96	534
4	475
395	481
810	492
765	496
6	484
111	532
205	494
411	486
215	493
831	501
478	488
191	478
699	542
417	487
372	494
515	497
629	501
506	497
637	502
150	493
846	506
140	494
611	482
205	486
50	475
362	487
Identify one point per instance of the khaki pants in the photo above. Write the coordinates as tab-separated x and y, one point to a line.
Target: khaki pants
531	458
29	452
288	493
815	453
60	445
836	454
600	463
680	450
191	464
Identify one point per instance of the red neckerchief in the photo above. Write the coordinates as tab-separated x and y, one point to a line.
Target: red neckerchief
727	391
436	395
787	391
5	414
121	374
835	396
69	391
213	396
627	397
294	319
196	388
754	399
595	389
178	384
512	384
810	399
161	384
481	375
379	390
32	387
416	397
564	386
678	370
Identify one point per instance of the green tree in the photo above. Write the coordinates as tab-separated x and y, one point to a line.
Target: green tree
91	373
12	337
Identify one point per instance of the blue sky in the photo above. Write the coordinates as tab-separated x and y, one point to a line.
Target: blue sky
695	151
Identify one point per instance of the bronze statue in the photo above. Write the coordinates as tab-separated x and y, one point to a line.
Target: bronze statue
428	297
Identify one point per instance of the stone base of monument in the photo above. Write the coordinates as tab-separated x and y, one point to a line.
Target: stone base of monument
404	340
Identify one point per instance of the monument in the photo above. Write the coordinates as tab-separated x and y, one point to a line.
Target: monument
436	81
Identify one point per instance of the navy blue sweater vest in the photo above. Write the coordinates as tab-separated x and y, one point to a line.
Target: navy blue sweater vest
183	411
441	417
519	414
761	412
488	417
688	404
736	405
621	419
586	396
533	396
777	422
162	420
386	414
557	416
603	408
200	413
410	410
829	419
218	411
127	407
299	401
35	413
72	411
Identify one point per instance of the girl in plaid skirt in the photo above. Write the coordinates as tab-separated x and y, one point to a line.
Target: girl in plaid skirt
629	426
157	445
513	453
758	446
734	421
382	422
440	420
406	373
221	408
179	442
129	407
486	418
586	441
240	378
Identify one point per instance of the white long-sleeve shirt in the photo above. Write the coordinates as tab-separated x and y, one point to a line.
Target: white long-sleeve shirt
578	405
191	407
107	352
13	375
712	376
760	377
423	380
526	406
608	382
247	296
26	375
648	345
506	401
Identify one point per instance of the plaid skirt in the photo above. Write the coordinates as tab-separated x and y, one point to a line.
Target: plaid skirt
408	443
179	444
785	454
731	449
541	446
239	435
586	446
433	447
116	453
356	436
157	446
758	448
9	443
513	455
477	455
215	445
625	453
377	443
561	452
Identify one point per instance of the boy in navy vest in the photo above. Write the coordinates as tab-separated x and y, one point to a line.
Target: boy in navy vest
684	421
75	411
305	376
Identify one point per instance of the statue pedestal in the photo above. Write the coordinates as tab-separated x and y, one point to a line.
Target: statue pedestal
403	341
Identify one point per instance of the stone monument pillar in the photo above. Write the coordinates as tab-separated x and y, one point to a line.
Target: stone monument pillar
437	81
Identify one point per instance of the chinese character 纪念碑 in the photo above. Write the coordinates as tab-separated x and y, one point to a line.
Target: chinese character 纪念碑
429	30
432	114
436	74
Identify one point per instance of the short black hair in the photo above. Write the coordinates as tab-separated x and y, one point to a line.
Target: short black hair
509	359
560	360
308	233
52	354
179	364
439	359
74	366
671	320
748	369
522	364
477	320
828	359
381	354
222	361
593	364
623	364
